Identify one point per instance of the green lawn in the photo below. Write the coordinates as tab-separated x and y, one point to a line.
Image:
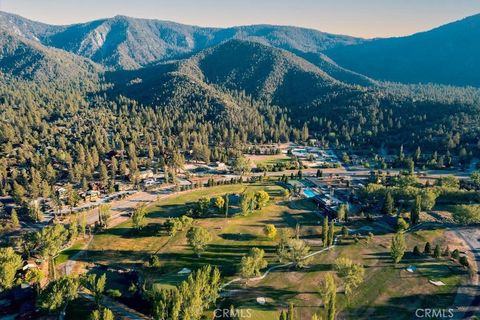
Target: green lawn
66	254
386	286
233	237
271	160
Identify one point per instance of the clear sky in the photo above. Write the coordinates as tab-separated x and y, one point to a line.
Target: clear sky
365	18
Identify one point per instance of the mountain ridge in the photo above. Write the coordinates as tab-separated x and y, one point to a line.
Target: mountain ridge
446	55
145	41
30	60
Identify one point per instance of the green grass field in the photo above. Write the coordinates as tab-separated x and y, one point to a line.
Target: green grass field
270	159
65	255
386	287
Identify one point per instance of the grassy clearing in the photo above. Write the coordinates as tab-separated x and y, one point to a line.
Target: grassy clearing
233	236
387	289
66	254
266	160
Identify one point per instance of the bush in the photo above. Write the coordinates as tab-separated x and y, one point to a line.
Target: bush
428	248
114	293
436	251
455	254
344	231
446	253
416	251
464	261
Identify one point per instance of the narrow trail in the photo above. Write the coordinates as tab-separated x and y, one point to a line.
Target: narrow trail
265	274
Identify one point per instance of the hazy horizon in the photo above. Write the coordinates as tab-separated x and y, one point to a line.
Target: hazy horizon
368	18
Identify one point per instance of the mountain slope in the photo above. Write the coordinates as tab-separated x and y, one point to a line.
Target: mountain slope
261	71
129	43
446	55
26	28
30	60
265	73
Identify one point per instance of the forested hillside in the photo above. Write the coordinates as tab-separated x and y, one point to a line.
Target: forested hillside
129	43
62	115
29	60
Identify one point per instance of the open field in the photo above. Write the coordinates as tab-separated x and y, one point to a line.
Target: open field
266	160
386	285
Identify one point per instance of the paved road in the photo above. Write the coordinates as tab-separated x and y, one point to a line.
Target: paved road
121	209
468	295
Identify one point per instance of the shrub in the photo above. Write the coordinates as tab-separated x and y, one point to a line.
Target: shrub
455	254
114	293
464	261
436	251
416	251
344	231
428	248
446	253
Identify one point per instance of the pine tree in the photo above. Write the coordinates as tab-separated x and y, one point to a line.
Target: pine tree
388	204
436	251
428	248
398	247
325	231
331	234
226	204
14	219
415	214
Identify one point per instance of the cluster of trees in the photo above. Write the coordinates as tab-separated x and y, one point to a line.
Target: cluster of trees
190	299
437	253
60	292
55	136
251	201
174	225
328	232
293	249
46	243
375	119
466	214
203	206
252	263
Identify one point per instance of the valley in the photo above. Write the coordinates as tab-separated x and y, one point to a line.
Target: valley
156	170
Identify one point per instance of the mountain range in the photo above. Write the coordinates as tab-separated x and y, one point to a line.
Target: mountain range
445	55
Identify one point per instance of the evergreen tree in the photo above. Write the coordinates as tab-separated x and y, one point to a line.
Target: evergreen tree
331	234
226	205
14	219
436	252
388	204
415	214
398	247
428	248
325	231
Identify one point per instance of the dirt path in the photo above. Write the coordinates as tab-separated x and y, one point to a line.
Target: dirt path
71	263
